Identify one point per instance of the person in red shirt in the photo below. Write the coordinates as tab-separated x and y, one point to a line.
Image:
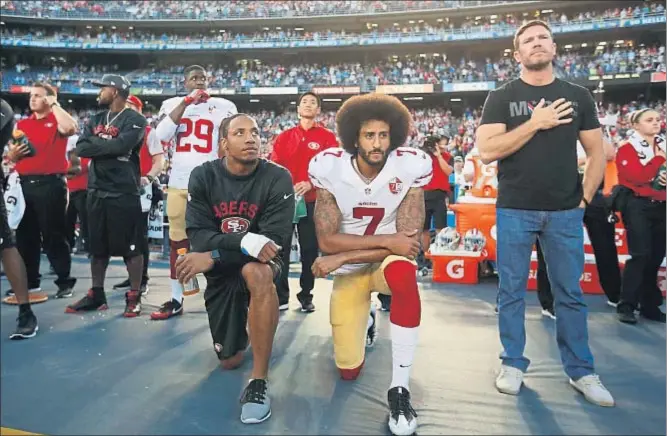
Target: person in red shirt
293	149
151	162
437	190
77	184
640	161
44	188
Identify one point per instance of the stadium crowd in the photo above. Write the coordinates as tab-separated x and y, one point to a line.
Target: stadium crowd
194	10
211	10
405	70
442	27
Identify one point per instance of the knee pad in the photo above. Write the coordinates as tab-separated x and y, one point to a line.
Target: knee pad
401	278
232	362
351	374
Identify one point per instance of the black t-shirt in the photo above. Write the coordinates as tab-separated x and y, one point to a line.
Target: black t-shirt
114	151
543	174
222	208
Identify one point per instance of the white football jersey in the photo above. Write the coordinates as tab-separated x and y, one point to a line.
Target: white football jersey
196	139
369	209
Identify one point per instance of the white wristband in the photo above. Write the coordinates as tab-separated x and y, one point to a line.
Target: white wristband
252	244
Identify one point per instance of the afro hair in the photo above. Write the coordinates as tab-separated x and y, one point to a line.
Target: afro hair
381	107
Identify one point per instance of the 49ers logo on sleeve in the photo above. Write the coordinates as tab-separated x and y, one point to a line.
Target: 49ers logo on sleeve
395	185
313	145
234	225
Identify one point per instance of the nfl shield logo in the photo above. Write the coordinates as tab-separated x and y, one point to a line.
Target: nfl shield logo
395	185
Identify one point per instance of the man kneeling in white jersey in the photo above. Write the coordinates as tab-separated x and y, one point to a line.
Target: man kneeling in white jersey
368	216
191	124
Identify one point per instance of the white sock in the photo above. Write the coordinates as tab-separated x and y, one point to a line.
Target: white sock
176	290
403	347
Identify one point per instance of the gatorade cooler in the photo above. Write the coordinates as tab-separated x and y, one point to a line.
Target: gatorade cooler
455	267
478	214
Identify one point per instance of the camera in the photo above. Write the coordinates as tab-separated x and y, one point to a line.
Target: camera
430	145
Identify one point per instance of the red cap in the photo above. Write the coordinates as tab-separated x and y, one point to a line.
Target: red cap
136	101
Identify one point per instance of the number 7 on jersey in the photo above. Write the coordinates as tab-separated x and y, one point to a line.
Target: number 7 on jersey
376	214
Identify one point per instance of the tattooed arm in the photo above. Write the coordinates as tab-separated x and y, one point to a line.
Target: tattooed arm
411	213
328	218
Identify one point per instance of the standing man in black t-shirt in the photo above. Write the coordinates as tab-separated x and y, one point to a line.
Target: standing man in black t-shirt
238	219
531	126
113	140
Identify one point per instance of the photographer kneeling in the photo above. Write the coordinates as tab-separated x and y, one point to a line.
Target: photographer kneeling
641	173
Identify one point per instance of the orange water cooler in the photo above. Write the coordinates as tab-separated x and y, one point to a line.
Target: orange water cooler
478	213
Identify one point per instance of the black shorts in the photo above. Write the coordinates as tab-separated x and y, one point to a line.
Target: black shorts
227	301
6	235
436	208
114	225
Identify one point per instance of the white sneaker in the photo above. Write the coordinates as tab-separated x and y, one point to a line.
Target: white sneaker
509	380
402	417
283	307
549	313
593	390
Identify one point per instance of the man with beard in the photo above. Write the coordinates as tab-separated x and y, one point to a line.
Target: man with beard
369	217
531	126
238	218
293	149
112	140
191	125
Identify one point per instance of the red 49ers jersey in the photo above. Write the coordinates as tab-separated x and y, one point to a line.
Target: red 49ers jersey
196	139
369	209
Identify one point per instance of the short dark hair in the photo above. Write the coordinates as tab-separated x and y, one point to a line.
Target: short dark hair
224	125
362	108
46	87
192	68
528	25
319	103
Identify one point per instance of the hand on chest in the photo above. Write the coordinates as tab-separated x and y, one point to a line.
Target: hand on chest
521	110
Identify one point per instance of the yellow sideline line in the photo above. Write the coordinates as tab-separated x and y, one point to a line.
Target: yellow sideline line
13	432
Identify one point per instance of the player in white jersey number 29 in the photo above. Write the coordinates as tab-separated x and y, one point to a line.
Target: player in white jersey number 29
191	126
368	216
